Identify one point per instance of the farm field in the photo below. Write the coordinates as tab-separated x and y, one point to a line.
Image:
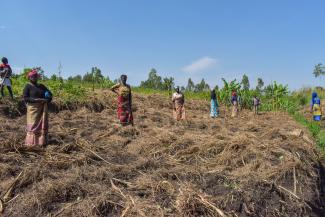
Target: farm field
265	165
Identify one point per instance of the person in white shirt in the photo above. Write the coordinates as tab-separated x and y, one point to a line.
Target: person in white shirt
178	105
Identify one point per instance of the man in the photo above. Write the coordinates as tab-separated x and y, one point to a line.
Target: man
234	102
5	74
124	100
256	104
178	105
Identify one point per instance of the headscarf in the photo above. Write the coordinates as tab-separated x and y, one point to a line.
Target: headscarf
234	93
314	96
33	73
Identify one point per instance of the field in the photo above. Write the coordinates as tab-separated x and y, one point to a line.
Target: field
265	165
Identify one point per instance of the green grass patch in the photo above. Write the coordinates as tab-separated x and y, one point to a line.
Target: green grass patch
314	128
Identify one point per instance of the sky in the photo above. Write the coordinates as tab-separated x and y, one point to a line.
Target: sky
277	40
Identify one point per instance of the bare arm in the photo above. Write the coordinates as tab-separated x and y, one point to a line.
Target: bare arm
114	88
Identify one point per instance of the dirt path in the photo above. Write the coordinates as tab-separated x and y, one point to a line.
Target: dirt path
251	166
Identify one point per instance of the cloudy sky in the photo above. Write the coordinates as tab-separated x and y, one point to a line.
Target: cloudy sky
276	40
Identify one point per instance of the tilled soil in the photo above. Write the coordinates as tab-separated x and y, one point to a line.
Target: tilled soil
265	165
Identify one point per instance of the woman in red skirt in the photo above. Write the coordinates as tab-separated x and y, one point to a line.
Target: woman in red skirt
124	110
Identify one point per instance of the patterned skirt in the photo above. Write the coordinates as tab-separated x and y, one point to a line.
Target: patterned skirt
214	108
124	112
37	124
179	112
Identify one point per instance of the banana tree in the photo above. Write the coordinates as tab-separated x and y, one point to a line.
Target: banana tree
277	92
228	88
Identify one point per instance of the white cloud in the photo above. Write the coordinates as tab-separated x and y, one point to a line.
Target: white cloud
200	64
2	27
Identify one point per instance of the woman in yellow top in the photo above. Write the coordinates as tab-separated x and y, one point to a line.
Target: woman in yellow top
124	100
316	107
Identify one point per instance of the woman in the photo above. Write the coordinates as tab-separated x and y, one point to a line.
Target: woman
178	105
124	100
36	96
234	102
315	107
5	73
214	104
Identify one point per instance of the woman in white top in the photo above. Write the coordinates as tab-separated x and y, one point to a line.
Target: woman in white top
178	105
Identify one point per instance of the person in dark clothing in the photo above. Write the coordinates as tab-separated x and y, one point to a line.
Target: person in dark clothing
234	102
36	96
214	104
5	74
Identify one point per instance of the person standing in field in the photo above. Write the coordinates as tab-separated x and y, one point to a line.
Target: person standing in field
5	74
124	100
256	104
37	97
214	105
239	102
178	100
315	107
234	102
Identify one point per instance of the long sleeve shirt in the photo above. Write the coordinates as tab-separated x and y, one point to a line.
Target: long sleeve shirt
32	92
5	71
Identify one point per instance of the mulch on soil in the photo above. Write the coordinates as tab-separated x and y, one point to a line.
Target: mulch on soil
264	165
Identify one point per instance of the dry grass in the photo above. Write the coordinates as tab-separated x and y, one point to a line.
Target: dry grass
252	166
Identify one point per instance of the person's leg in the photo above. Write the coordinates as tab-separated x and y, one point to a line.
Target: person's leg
10	92
1	90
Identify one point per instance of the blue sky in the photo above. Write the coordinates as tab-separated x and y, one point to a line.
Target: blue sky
273	39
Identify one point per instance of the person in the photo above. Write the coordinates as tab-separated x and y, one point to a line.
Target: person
234	102
37	97
214	105
315	107
5	74
256	104
124	100
178	100
239	102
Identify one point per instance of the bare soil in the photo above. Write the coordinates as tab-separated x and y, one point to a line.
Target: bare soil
265	165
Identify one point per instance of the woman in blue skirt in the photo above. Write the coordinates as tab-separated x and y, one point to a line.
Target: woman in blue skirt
214	104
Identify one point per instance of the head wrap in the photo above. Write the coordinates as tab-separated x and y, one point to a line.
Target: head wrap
234	93
33	73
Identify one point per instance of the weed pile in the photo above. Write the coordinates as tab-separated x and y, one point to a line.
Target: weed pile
265	165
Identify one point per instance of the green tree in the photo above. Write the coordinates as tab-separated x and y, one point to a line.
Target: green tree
319	70
202	86
260	84
168	83
190	85
54	77
245	82
154	81
77	78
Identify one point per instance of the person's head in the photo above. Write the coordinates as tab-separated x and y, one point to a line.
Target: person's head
314	95
33	76
4	60
177	89
234	93
124	78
